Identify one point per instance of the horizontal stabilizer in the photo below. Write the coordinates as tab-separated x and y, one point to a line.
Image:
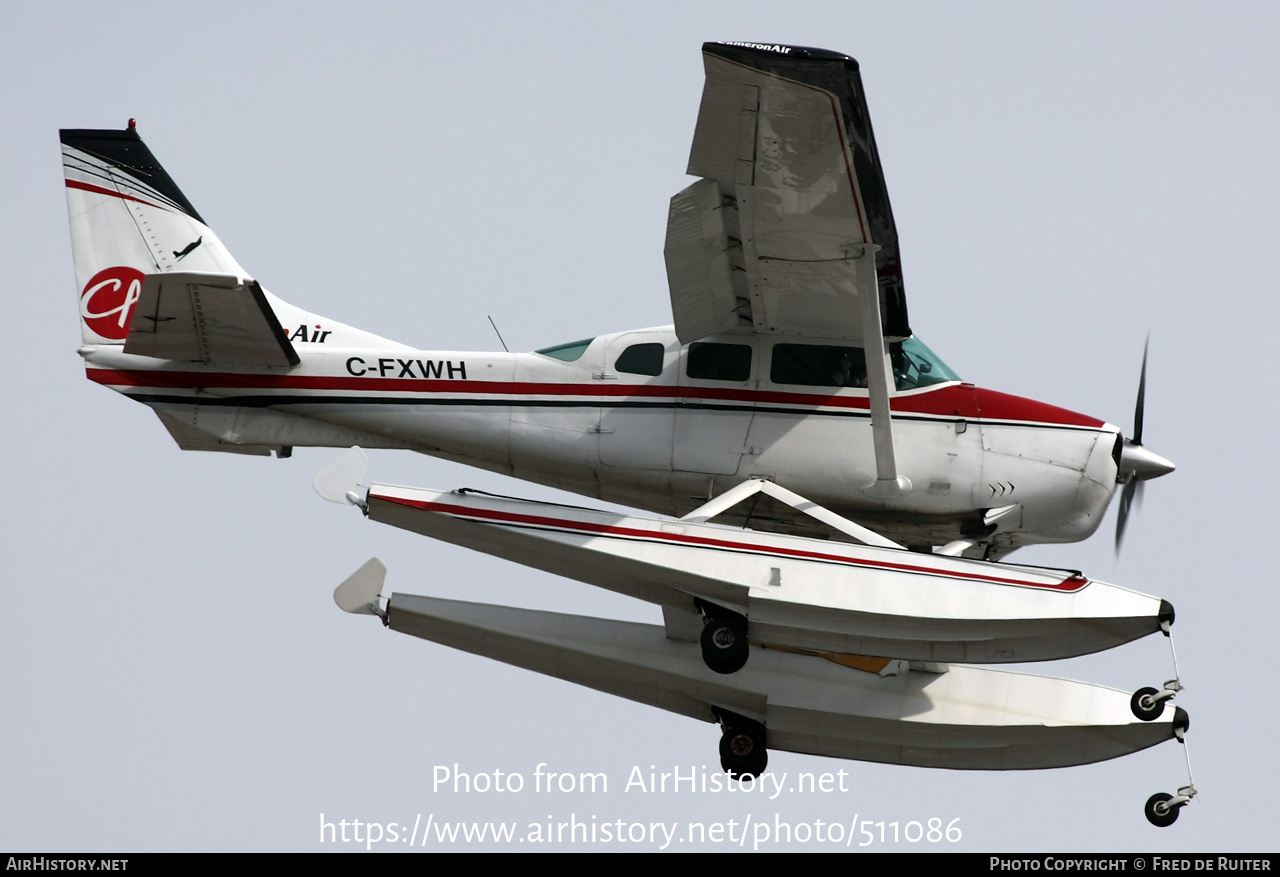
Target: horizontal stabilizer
217	319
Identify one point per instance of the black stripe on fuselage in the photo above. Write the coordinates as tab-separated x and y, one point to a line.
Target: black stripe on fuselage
283	401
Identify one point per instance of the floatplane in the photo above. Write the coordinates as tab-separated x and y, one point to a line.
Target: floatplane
832	496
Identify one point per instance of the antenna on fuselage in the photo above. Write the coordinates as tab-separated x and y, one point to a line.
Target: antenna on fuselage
499	334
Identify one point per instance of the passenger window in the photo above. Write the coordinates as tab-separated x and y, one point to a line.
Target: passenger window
814	365
719	362
641	359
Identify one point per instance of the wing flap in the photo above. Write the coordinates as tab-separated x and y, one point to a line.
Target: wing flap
217	319
706	296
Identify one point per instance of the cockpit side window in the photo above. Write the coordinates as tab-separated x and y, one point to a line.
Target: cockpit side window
641	359
719	362
815	365
819	365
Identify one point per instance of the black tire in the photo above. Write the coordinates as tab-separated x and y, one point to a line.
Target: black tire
724	644
1147	712
743	753
1155	816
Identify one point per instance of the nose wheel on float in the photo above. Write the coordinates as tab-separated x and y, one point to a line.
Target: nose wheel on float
1148	704
743	751
1162	808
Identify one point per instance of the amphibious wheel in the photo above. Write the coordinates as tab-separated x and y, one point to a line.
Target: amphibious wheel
1158	811
724	643
1145	706
743	752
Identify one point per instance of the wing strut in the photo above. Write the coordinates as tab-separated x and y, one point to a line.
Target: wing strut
888	483
751	487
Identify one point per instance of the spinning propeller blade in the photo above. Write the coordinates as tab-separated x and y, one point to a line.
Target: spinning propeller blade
1136	464
1132	491
1140	407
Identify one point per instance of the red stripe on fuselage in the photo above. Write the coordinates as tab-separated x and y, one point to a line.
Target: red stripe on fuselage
951	400
1070	584
993	405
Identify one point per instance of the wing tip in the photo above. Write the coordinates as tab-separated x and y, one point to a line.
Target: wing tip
735	48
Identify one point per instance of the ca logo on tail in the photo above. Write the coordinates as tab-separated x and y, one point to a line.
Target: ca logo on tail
106	304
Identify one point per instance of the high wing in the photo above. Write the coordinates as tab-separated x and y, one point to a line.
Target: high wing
775	236
789	231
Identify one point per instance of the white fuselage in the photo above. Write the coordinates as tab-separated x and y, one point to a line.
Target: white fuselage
665	442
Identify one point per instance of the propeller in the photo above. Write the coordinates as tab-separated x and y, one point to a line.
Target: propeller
1136	464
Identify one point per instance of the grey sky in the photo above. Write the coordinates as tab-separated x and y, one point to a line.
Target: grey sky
1064	179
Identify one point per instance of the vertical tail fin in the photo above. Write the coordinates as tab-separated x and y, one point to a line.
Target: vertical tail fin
128	219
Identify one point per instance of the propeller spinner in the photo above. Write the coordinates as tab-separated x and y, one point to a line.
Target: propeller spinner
1136	464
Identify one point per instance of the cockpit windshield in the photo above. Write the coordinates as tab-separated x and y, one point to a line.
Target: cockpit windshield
570	352
915	365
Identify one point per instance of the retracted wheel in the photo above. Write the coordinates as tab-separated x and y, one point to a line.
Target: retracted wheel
743	752
1146	705
1159	812
724	643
